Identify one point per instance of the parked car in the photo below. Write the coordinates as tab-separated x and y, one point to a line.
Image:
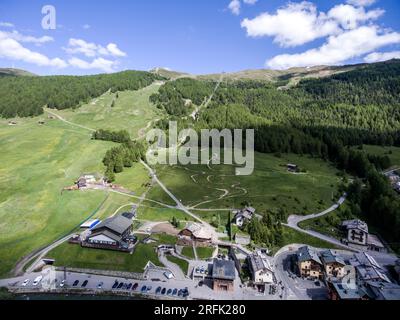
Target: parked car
124	286
115	285
120	285
75	283
169	292
100	285
25	283
135	286
144	289
129	286
149	288
85	283
62	284
163	291
175	292
158	290
180	293
37	280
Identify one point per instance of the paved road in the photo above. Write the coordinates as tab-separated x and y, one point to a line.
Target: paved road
293	220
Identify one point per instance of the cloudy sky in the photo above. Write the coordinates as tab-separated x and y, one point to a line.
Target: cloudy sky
197	36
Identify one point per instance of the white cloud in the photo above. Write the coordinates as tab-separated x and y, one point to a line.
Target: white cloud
350	17
292	25
6	24
13	50
28	39
382	56
98	63
361	3
299	23
79	46
115	51
235	5
338	49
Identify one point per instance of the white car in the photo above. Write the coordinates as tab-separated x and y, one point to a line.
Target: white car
37	280
62	284
25	283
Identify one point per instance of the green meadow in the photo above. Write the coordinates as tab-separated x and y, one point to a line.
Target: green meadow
270	187
132	111
37	162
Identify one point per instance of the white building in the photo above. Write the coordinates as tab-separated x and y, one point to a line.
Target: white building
260	269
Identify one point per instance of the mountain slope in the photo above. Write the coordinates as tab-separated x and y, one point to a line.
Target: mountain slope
9	72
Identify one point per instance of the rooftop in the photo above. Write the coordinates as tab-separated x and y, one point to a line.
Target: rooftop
385	291
223	269
355	224
258	263
118	224
330	257
307	253
198	230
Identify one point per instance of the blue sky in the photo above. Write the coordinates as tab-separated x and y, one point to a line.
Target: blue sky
197	36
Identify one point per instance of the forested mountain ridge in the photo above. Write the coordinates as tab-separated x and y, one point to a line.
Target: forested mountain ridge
26	96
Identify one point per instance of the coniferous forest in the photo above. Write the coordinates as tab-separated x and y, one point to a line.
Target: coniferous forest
26	96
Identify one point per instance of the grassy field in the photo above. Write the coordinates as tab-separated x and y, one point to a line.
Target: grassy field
204	253
37	162
132	111
270	187
392	152
291	236
162	214
74	256
188	252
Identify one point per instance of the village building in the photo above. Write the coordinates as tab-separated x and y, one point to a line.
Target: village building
309	263
261	271
113	233
195	232
334	265
384	291
367	269
375	244
223	275
243	216
356	232
341	291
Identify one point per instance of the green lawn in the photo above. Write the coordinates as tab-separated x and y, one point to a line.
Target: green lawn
183	264
74	256
188	252
36	163
291	236
270	187
204	253
132	111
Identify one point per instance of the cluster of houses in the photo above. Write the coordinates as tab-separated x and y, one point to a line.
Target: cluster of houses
357	236
358	277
